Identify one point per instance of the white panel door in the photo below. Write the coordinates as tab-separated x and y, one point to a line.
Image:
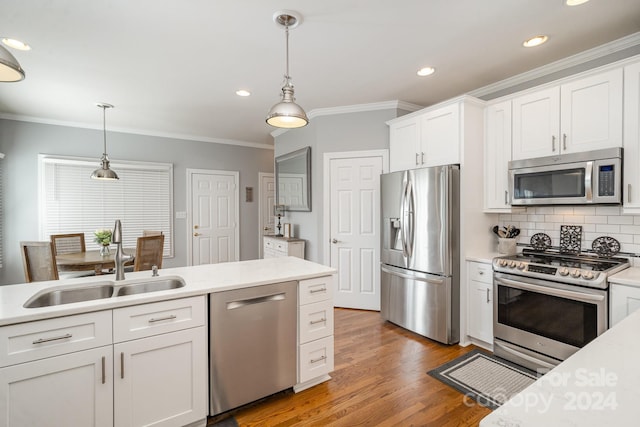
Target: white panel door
267	202
214	216
355	236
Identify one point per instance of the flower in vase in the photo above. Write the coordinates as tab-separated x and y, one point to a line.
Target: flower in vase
102	237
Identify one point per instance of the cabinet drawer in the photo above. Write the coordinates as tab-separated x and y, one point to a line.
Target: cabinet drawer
316	321
480	272
316	359
46	338
158	318
315	290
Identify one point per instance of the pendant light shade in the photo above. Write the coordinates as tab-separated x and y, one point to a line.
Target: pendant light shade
104	172
286	113
10	69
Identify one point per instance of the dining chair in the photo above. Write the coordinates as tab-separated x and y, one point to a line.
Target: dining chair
151	233
39	261
148	252
68	243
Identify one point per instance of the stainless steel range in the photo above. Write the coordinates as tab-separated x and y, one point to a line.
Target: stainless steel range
548	305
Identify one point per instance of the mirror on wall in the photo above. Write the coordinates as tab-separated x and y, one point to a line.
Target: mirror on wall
293	180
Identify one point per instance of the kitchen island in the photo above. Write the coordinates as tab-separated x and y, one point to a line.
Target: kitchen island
597	386
141	358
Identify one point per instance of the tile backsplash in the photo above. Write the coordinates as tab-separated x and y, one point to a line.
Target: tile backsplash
595	221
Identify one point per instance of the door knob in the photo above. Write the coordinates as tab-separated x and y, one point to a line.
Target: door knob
196	234
334	241
195	227
266	229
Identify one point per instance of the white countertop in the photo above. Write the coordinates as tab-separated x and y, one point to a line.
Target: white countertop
200	280
629	277
597	386
485	258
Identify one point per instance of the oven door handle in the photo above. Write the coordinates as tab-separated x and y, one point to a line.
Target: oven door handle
549	290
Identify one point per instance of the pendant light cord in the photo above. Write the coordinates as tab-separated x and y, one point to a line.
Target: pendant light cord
104	129
286	38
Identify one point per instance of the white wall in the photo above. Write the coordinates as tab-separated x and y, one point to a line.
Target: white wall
21	142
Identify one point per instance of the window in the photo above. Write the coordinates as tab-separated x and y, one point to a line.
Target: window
72	202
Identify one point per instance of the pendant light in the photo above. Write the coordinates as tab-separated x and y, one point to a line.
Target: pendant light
104	172
286	113
10	69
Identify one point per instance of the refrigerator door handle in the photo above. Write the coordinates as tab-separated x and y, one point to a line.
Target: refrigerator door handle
408	207
423	277
403	222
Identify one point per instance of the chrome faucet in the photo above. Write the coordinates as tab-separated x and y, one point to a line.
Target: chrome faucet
121	257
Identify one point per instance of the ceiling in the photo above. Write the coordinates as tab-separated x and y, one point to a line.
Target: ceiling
171	67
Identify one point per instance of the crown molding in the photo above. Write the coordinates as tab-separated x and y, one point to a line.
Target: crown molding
560	65
357	108
143	132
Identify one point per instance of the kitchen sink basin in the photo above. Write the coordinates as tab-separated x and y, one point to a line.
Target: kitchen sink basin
102	290
90	292
159	284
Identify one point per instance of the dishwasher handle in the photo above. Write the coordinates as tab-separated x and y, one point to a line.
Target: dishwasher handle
232	305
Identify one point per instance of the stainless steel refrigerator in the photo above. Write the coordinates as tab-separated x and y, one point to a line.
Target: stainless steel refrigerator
420	256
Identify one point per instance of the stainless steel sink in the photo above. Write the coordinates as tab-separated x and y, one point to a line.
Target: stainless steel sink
152	285
87	292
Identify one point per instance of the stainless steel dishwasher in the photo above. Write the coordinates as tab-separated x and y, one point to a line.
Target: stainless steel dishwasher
252	345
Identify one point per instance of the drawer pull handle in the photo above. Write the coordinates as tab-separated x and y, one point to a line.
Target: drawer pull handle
104	379
315	291
61	337
488	300
313	322
122	365
160	319
319	359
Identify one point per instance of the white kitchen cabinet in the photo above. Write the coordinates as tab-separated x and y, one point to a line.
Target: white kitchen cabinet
315	331
623	300
430	137
404	144
631	166
161	377
47	364
580	115
282	246
62	371
480	318
497	154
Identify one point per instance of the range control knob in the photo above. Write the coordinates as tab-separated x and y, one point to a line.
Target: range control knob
564	271
512	264
521	266
575	273
502	262
588	275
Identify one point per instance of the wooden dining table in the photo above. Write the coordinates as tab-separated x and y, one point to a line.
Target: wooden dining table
90	260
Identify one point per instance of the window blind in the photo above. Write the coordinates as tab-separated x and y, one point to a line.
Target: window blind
72	202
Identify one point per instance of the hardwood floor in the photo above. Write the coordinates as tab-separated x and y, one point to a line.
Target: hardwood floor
380	379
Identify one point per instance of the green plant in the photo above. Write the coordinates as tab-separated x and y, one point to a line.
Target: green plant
103	237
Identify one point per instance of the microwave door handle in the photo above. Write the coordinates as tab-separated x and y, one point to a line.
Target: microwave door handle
588	180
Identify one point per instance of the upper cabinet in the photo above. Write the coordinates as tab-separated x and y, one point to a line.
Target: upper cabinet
497	153
430	137
580	115
631	169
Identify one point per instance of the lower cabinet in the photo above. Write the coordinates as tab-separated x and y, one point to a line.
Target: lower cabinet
70	390
623	300
480	302
154	375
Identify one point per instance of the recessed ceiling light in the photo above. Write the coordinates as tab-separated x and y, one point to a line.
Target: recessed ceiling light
535	41
243	92
16	44
426	71
575	2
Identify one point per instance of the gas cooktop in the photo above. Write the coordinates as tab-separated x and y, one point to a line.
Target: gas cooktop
583	270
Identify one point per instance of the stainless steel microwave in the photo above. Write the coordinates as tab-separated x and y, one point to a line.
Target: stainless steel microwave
593	177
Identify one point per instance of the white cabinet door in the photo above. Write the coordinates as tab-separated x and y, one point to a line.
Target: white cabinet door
497	153
536	123
480	292
72	390
404	142
631	168
440	136
624	301
161	380
591	113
